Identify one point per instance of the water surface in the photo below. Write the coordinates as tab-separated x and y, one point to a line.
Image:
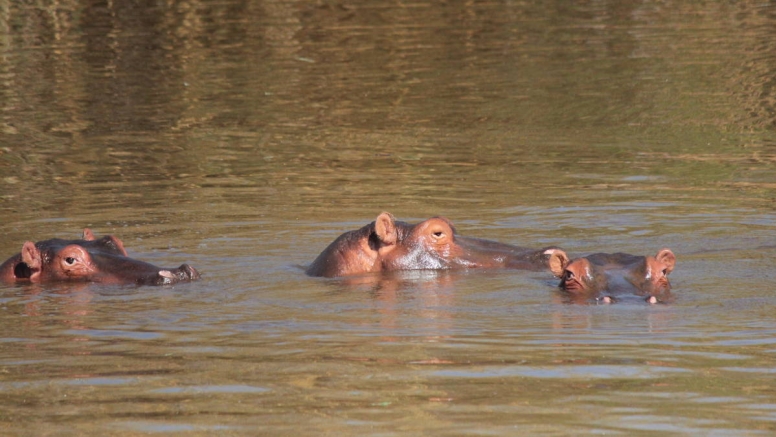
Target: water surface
243	136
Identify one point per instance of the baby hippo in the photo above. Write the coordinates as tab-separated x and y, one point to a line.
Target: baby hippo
603	276
391	245
90	259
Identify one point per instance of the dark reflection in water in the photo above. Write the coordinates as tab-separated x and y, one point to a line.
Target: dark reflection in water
305	102
244	136
128	66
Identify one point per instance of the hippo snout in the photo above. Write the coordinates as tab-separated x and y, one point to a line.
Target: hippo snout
183	273
189	273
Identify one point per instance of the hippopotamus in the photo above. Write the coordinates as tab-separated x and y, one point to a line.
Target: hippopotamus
604	276
390	245
90	259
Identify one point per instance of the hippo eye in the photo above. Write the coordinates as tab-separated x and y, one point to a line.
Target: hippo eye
70	260
665	272
569	274
438	234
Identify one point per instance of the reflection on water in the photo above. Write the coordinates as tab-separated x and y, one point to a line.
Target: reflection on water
244	136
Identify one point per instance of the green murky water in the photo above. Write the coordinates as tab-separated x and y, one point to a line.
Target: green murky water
243	136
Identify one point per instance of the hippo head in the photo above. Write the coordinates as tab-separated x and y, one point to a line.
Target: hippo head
90	259
380	245
390	245
429	245
604	276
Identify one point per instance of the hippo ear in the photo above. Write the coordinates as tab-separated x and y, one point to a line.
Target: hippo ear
386	228
117	244
667	258
558	261
88	235
32	257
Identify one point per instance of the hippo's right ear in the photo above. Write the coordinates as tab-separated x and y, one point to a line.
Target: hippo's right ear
117	244
386	228
558	261
32	257
88	235
667	258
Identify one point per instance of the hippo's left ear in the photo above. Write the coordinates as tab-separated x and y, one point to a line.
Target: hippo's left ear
667	258
88	235
386	228
117	244
32	257
558	261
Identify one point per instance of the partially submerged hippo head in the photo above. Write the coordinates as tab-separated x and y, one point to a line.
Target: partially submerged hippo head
390	245
603	276
101	260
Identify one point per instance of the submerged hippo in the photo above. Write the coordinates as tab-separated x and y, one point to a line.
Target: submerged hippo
390	245
603	276
101	260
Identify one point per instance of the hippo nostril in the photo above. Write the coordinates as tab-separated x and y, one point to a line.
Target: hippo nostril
189	271
166	274
166	277
183	273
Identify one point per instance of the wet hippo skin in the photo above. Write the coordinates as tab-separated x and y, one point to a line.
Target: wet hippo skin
390	245
89	259
605	276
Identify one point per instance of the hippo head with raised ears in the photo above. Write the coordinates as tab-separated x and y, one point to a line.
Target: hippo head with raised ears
90	259
603	276
429	245
433	244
